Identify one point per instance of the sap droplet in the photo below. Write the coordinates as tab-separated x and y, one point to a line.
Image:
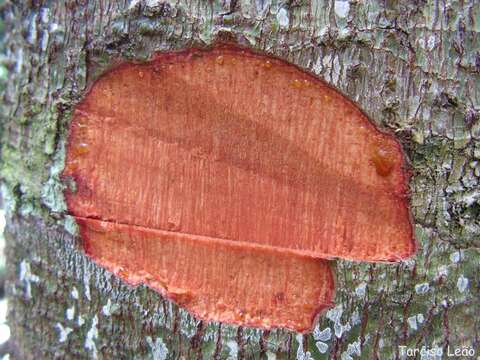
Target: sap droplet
308	307
81	149
300	84
383	160
181	297
266	65
82	121
240	315
221	306
220	60
297	84
122	272
72	167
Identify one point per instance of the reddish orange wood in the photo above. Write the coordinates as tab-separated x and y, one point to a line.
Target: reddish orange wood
236	146
215	280
221	177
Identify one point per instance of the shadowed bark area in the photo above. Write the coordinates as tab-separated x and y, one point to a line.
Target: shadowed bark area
413	68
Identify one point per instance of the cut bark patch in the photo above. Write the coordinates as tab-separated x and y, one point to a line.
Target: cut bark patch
247	153
215	280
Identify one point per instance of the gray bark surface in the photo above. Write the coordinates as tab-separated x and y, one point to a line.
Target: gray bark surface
413	67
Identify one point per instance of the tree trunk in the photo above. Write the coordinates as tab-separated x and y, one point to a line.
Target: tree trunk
413	68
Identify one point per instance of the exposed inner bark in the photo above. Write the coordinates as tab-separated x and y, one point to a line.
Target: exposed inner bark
233	145
225	152
213	279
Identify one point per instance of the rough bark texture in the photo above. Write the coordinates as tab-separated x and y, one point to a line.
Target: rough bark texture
412	67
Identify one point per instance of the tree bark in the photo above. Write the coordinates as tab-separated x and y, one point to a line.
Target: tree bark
413	67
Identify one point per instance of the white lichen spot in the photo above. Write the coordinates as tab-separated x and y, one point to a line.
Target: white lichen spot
45	15
32	34
354	348
335	313
74	293
51	190
409	263
54	27
271	356
355	318
431	42
318	66
2	212
9	199
106	309
336	70
80	320
324	335
442	271
470	198
346	356
233	349
360	290
86	283
71	225
44	40
455	257
282	18
327	61
412	322
262	7
301	354
322	347
422	288
320	336
342	8
418	136
92	334
3	314
4	334
133	4
462	283
158	348
27	277
63	332
154	3
19	61
338	328
70	313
